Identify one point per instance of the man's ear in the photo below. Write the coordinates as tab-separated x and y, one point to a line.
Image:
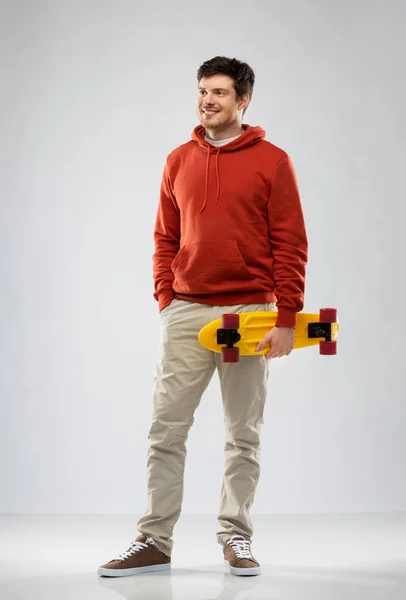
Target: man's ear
244	102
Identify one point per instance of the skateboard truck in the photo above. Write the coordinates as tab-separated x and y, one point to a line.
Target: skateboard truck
228	337
320	330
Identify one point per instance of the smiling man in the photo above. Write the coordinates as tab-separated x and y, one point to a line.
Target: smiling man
229	238
218	108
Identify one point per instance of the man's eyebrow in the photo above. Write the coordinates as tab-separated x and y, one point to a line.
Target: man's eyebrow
215	89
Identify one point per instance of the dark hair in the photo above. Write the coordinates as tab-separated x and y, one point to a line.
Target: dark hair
242	75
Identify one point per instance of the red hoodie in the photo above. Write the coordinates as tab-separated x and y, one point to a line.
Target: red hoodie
229	227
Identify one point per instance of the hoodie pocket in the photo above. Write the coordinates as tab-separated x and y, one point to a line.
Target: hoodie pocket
205	267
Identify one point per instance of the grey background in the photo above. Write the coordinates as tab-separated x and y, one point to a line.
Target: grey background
94	95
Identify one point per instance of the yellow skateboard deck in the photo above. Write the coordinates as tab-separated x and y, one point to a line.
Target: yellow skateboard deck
236	335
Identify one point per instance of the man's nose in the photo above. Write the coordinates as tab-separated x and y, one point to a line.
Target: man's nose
209	99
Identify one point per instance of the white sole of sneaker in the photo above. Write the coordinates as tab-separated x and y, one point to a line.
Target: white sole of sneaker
242	572
135	571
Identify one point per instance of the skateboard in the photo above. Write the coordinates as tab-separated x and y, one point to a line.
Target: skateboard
235	335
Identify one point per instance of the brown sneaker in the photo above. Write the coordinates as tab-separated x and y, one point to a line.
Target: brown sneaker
238	557
141	557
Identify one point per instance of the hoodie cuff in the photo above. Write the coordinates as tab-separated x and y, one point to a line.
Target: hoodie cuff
165	298
286	318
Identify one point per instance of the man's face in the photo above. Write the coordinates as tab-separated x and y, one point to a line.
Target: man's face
217	107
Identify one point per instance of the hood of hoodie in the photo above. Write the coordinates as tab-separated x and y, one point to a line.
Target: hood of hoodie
249	137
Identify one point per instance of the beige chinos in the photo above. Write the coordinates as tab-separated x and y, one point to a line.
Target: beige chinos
183	373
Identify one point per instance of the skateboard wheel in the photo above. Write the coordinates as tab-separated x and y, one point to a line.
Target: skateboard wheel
328	348
328	315
230	321
230	355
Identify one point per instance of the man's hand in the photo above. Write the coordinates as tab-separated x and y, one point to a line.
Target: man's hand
281	340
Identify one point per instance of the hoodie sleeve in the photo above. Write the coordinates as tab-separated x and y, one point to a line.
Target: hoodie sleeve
166	241
288	241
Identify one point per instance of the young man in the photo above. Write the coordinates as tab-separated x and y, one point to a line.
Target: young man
229	238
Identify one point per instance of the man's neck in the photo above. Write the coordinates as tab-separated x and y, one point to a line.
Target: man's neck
230	132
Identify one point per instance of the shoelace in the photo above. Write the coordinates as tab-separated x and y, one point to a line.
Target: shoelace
134	548
240	546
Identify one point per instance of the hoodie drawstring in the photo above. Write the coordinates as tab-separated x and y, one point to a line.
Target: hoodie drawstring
207	178
218	176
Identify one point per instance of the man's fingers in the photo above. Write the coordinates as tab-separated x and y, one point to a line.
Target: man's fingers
261	345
